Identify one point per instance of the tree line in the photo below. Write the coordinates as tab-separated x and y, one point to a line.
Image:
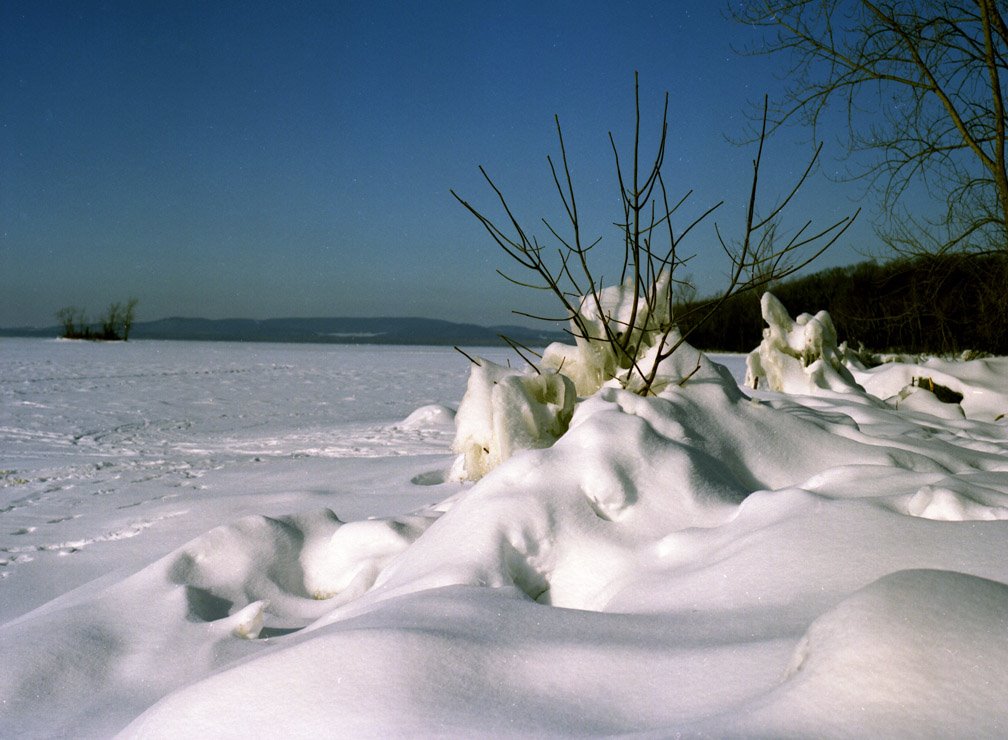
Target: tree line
930	303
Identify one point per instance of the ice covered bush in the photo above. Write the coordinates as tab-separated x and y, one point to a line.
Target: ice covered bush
617	311
505	410
626	332
797	355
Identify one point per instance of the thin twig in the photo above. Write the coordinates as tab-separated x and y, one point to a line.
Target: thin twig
474	361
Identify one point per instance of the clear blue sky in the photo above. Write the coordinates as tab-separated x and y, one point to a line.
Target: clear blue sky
262	159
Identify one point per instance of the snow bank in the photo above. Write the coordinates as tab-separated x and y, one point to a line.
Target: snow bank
914	653
980	382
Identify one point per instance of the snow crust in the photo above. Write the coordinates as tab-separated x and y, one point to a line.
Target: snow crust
827	561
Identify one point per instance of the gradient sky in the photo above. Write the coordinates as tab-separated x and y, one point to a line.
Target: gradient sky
262	159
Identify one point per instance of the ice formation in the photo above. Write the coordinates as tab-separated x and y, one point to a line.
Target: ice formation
619	309
797	355
505	410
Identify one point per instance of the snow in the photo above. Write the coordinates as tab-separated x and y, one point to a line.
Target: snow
797	355
505	410
230	540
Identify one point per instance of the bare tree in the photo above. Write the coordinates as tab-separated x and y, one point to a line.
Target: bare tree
111	322
74	322
922	84
127	317
641	332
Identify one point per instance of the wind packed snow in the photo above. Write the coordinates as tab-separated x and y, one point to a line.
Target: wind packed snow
241	540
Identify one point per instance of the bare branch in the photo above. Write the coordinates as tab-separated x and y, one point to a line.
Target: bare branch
634	320
923	87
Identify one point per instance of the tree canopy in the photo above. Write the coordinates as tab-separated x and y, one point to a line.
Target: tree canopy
922	83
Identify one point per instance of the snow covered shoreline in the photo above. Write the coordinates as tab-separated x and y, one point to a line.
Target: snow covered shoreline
702	563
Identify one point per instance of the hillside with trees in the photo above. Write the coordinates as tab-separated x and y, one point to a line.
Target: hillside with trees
931	303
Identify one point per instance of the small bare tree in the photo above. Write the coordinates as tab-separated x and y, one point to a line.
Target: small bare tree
74	322
640	333
111	322
128	312
922	82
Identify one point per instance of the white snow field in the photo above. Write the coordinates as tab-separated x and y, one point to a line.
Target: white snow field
227	540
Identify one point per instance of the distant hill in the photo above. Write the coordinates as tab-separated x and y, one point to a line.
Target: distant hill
393	330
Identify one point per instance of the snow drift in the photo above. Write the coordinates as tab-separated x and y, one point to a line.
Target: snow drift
825	561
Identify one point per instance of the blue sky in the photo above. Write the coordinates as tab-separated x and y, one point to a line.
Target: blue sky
262	159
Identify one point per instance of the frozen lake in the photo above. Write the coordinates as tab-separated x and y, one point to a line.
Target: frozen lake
86	402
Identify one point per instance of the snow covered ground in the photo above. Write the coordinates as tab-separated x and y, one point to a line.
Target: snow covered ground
234	540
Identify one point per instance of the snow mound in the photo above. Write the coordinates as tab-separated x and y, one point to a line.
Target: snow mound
561	524
959	501
289	563
980	382
432	416
912	652
923	401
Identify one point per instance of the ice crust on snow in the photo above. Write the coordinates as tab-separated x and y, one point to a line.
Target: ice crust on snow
821	562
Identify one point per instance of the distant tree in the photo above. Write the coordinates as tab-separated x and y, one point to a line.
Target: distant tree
110	324
115	324
923	84
73	321
127	317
